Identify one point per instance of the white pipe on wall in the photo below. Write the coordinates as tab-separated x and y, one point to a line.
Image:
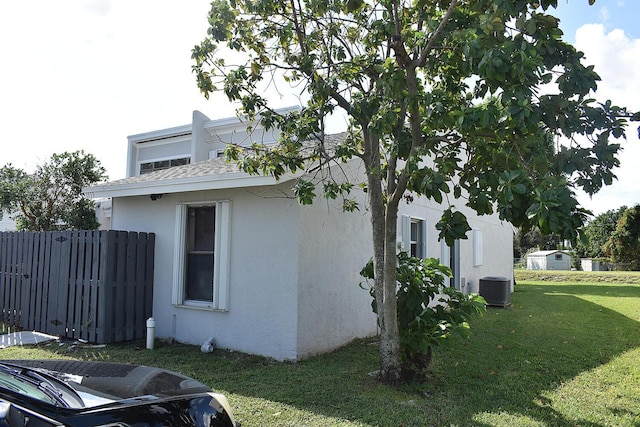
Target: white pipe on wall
151	332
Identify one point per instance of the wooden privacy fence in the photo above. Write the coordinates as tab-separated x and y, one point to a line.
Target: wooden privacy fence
91	285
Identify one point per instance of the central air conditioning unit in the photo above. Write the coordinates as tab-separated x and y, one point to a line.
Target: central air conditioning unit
496	291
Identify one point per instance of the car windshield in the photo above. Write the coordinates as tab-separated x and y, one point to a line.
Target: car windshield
38	385
27	388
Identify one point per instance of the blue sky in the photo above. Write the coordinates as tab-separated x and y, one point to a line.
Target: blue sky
85	74
609	35
612	14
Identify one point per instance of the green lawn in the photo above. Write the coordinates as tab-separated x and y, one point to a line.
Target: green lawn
564	354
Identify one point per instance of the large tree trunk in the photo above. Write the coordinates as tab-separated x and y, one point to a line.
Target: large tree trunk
390	336
384	264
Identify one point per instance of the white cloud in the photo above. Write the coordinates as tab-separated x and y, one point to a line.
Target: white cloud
85	74
616	58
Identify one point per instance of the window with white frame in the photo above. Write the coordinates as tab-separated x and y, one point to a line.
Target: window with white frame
201	257
477	247
414	236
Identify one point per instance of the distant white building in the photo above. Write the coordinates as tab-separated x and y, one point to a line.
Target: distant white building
589	264
549	260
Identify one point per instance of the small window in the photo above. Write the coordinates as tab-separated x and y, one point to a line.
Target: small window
200	252
149	167
414	236
180	162
558	257
201	255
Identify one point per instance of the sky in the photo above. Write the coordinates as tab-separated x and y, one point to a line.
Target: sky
85	74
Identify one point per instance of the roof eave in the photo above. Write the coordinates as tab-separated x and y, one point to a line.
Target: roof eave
181	185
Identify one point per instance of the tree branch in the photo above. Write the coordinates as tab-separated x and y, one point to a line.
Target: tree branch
422	59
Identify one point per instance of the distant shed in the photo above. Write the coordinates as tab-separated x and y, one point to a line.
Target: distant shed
549	260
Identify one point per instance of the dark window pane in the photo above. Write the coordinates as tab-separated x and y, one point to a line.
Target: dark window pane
146	168
162	164
200	249
179	162
415	229
201	229
199	277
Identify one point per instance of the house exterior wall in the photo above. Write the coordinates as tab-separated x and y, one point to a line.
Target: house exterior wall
496	245
173	148
262	313
334	246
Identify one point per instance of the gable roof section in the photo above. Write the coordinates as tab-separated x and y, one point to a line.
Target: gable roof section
212	174
545	253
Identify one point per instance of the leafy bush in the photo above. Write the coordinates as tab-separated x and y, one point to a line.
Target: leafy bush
428	311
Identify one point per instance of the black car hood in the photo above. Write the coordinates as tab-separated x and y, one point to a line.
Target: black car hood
117	380
116	394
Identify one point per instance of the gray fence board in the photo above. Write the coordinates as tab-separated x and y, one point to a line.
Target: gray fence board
91	285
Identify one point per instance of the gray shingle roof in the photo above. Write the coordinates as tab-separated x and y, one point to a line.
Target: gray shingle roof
209	167
182	178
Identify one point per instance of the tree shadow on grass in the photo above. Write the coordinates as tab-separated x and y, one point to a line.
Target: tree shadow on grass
526	354
515	359
611	290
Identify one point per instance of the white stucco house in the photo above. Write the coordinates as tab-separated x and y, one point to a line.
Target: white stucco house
237	259
549	260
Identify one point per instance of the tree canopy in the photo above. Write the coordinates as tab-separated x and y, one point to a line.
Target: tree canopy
598	231
524	242
51	198
623	245
487	90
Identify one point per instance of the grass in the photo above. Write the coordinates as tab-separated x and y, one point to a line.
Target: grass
565	354
599	277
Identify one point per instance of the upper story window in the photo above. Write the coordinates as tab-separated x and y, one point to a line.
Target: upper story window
148	167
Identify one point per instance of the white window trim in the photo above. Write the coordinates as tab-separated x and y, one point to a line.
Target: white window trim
477	248
445	254
221	259
216	154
